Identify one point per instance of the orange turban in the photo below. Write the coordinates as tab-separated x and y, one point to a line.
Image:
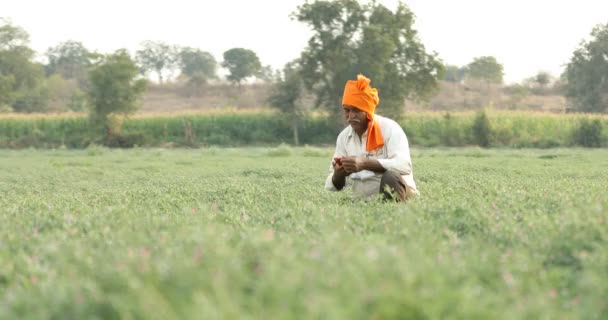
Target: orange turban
365	98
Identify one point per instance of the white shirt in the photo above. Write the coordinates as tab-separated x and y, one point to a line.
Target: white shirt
394	155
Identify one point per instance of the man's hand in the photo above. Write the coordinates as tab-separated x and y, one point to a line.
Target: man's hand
339	168
339	177
353	164
348	165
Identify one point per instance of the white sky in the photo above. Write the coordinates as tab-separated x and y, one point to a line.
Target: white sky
526	36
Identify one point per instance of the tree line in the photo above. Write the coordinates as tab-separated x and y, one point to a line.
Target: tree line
348	38
25	84
108	86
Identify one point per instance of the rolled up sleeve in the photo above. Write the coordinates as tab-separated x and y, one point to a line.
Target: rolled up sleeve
329	185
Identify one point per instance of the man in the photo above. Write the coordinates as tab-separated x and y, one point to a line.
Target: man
373	151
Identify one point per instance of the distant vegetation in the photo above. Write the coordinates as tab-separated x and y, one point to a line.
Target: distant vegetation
347	38
428	129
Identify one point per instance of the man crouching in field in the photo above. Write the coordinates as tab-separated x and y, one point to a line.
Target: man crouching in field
373	151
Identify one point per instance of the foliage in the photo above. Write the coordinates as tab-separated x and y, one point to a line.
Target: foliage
70	59
78	101
186	234
125	140
65	94
114	88
540	84
585	74
34	99
286	97
482	130
423	129
158	57
13	37
350	38
199	66
21	79
68	75
588	133
486	69
6	90
241	63
451	133
454	73
542	79
268	74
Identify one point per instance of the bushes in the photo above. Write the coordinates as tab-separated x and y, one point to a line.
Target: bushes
453	133
481	130
588	133
487	129
125	140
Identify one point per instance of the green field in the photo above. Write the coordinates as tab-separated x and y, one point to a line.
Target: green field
251	234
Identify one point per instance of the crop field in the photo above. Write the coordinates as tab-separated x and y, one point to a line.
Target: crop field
265	128
251	234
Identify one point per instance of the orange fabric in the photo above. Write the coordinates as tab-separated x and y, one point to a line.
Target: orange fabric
359	94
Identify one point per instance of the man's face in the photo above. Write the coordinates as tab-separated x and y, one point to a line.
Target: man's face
356	118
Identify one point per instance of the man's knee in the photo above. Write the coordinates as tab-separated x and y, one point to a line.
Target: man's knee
390	177
392	186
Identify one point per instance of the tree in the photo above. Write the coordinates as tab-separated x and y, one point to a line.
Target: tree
286	96
157	57
586	74
539	83
242	64
486	69
350	38
68	75
114	89
6	91
70	59
268	75
199	66
454	73
21	80
542	79
12	37
482	130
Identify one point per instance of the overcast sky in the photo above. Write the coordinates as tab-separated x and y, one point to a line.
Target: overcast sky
526	36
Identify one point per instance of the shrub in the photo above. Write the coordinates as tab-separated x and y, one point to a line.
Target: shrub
125	140
452	133
588	133
482	130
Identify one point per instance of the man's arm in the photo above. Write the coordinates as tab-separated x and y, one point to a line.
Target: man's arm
356	164
398	152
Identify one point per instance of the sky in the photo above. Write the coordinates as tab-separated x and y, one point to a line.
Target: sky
525	36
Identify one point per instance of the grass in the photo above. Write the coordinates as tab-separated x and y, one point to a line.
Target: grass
251	234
